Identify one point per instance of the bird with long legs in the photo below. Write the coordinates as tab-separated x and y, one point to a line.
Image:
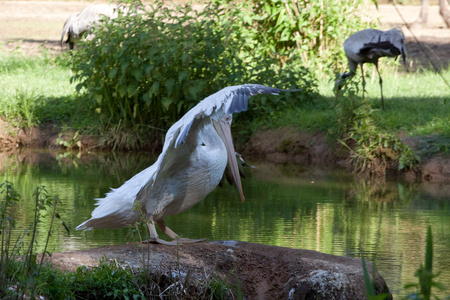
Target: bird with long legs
367	46
195	154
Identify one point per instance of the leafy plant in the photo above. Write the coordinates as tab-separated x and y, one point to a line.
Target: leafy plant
107	281
370	284
68	144
373	148
150	69
425	275
22	277
313	30
8	247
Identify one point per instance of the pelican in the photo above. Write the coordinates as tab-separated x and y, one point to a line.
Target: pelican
193	160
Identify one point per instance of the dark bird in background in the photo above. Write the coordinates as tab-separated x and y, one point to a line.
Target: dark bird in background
79	24
367	46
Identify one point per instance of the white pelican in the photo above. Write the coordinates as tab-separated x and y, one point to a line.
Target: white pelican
195	154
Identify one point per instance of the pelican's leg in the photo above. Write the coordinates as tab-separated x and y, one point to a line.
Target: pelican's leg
154	238
381	86
364	81
175	237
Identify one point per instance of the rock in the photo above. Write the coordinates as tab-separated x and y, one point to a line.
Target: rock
261	271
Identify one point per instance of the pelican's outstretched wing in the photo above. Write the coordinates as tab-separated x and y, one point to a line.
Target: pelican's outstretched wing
233	99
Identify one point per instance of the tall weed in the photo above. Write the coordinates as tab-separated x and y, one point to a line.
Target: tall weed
425	275
19	263
374	148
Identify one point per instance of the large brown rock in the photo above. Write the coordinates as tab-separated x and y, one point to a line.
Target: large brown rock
261	271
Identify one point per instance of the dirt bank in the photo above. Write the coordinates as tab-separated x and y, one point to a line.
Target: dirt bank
262	272
289	145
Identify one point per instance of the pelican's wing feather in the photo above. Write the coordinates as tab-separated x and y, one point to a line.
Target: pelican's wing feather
233	99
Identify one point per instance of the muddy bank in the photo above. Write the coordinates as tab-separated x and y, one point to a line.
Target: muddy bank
288	145
262	272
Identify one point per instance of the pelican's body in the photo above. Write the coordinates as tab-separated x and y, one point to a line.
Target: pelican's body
369	45
192	163
81	23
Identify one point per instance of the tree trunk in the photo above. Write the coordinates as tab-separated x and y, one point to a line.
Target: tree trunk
423	17
444	11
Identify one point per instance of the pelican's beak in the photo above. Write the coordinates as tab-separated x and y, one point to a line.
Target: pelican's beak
223	128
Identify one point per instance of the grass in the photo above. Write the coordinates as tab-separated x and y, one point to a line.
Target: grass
414	104
36	90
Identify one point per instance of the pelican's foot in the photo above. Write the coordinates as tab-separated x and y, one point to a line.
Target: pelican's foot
187	241
173	242
157	241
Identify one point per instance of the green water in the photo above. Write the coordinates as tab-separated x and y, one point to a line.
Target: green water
286	205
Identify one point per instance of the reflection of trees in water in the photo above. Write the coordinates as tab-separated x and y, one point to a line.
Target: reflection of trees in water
76	182
380	190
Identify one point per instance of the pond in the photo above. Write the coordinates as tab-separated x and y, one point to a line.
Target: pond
286	205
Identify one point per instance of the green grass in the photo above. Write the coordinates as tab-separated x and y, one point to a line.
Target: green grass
414	101
37	90
414	104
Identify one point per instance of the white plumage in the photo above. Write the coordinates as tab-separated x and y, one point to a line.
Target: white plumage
194	156
81	23
367	46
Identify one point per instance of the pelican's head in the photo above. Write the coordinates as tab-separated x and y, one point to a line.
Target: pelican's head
222	124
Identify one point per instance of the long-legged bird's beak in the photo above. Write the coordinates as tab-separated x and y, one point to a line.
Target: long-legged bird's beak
223	128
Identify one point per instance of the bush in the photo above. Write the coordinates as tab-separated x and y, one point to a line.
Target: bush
151	68
313	30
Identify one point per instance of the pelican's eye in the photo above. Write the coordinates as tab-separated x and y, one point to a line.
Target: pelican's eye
203	144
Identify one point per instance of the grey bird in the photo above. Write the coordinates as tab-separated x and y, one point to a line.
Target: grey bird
80	23
367	46
196	151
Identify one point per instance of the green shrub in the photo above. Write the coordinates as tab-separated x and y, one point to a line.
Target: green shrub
313	30
151	68
373	148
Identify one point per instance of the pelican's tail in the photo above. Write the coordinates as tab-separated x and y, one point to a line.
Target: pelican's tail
112	212
118	209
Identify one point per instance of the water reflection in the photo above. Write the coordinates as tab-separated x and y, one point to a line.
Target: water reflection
285	205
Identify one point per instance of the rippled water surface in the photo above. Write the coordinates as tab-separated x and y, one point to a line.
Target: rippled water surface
286	205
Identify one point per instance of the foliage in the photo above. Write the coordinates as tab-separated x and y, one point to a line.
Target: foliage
68	144
107	281
425	275
370	284
373	147
19	278
151	68
313	30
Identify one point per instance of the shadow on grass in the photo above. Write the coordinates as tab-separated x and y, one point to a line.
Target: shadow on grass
31	46
438	52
